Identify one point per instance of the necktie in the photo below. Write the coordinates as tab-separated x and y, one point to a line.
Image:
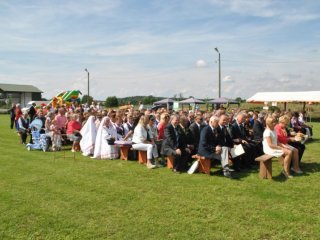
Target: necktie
214	131
242	131
224	133
177	135
229	130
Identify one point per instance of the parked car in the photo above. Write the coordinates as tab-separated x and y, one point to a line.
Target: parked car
28	106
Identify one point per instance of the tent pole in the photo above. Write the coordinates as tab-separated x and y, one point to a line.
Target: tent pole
285	106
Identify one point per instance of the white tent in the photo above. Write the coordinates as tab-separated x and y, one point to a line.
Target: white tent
307	97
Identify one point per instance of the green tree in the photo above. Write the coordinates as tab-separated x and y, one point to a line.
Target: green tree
85	98
239	100
112	101
148	100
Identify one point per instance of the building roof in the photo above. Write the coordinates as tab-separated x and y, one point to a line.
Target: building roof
309	96
18	88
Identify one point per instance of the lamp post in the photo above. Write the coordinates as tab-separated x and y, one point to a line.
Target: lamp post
219	71
88	86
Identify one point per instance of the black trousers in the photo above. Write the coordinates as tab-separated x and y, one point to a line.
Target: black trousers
23	136
12	122
250	153
180	161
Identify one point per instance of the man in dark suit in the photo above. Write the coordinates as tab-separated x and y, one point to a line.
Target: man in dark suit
226	139
195	129
32	111
239	137
190	118
174	144
258	127
210	145
12	112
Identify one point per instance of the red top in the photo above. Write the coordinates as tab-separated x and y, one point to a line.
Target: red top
18	113
73	125
282	134
161	127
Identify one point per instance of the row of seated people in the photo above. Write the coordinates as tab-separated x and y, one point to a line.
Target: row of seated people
177	135
221	134
181	139
58	126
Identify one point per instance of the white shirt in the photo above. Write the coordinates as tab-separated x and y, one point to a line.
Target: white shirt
140	134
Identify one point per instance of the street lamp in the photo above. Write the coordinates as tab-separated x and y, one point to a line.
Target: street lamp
219	72
88	86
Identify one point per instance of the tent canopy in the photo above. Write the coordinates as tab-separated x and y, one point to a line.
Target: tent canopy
308	96
223	100
163	101
192	101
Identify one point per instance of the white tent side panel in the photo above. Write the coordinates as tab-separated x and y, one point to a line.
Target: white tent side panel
309	96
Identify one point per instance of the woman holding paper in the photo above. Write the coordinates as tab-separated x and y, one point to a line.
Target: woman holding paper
272	147
285	138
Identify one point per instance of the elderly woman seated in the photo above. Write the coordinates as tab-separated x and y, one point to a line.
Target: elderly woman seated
73	132
300	126
23	127
290	153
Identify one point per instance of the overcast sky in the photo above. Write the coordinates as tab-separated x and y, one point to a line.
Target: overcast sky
161	47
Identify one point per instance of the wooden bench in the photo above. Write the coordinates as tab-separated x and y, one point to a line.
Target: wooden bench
265	166
142	157
204	164
170	160
124	151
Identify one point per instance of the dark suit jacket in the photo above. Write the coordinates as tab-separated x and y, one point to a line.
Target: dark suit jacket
225	138
237	135
258	130
208	142
32	112
195	131
187	135
170	144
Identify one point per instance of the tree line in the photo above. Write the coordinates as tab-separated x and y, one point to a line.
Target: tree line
113	101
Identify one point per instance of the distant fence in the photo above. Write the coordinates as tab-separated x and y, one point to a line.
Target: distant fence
4	111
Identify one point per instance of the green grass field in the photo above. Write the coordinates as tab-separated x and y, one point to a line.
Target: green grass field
46	198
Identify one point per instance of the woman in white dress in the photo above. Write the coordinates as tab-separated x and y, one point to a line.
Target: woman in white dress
273	148
106	134
142	141
89	133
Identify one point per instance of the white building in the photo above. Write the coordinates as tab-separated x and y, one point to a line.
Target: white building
19	93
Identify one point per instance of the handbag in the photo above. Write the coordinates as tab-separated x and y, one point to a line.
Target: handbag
111	141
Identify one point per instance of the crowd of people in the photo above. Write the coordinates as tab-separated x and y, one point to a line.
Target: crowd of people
96	131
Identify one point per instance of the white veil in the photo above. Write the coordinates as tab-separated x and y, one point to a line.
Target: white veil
89	133
102	149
